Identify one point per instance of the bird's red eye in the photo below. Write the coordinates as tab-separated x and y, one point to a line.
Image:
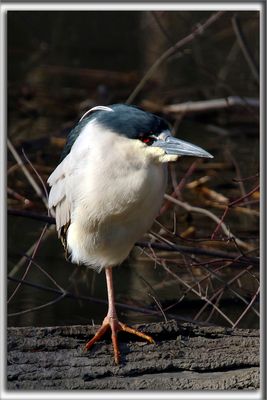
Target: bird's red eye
147	140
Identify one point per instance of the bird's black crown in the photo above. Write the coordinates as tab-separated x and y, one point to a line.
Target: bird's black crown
129	121
132	122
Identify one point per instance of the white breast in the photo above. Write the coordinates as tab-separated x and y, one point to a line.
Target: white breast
119	189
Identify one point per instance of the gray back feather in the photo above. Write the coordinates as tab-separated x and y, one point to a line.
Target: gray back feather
58	197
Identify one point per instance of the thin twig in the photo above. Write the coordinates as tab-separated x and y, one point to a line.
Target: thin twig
159	306
209	105
28	176
197	316
156	246
234	202
180	187
32	215
247	178
204	298
30	263
210	215
213	309
199	30
45	273
161	27
247	308
245	48
101	301
239	179
26	202
220	223
227	284
36	173
153	296
49	303
212	272
29	253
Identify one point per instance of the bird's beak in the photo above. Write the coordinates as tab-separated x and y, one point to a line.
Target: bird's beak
178	147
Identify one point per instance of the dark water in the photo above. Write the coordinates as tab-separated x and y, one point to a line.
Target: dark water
46	95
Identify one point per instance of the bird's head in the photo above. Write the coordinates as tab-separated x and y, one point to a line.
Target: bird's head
150	130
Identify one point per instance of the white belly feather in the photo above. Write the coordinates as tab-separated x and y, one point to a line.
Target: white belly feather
115	203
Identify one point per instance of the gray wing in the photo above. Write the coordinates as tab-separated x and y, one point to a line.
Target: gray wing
59	200
65	176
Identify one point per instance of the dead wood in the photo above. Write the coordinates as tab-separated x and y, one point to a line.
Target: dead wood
184	357
211	105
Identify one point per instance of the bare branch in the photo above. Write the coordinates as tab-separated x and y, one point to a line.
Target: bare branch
29	177
234	202
30	252
199	30
32	215
36	247
161	26
49	303
36	173
247	308
205	298
156	246
245	48
210	105
101	301
212	216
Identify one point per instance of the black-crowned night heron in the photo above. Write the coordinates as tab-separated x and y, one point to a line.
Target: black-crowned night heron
108	188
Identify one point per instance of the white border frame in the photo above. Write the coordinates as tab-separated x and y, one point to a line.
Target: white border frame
132	6
99	6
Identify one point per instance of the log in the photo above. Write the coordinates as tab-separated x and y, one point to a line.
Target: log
184	357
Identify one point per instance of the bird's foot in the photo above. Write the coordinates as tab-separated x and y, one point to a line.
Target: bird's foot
116	326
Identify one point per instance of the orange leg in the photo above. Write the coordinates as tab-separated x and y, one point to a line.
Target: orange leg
111	321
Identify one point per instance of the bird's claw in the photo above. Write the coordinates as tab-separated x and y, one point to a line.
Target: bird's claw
116	326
